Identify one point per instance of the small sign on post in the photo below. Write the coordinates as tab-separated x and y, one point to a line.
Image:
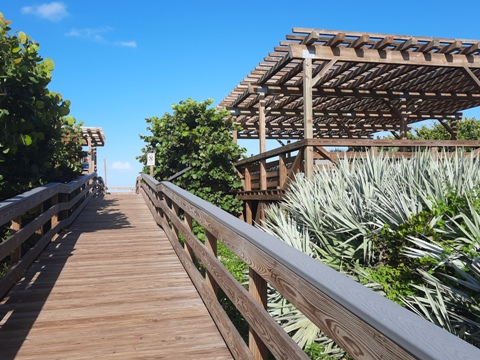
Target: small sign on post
151	161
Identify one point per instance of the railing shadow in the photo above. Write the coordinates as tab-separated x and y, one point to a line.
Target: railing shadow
21	307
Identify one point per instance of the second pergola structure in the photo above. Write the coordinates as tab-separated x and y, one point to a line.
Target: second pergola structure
334	88
93	137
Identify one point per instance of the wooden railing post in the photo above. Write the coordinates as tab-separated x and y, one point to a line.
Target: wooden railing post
55	218
282	171
247	179
258	289
247	187
16	254
248	212
188	221
38	213
64	213
211	244
176	209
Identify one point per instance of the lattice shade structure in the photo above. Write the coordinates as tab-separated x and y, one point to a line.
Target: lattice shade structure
352	85
93	137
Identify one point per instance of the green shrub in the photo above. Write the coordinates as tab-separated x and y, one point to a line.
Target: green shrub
409	229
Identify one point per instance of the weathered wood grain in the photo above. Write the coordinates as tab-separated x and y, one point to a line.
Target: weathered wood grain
109	287
364	323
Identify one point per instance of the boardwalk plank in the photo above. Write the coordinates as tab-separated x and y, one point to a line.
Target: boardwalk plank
111	287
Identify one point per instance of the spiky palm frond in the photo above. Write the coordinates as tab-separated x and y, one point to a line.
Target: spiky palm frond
338	215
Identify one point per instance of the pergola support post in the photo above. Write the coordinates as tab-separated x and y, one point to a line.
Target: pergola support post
308	115
262	137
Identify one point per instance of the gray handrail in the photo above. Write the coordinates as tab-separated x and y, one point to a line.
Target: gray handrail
413	334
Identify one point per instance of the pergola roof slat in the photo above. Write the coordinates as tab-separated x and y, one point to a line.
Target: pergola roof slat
354	73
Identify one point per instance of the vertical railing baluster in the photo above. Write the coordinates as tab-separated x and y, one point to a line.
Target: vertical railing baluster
189	223
16	254
176	209
211	244
55	217
38	213
282	171
247	179
258	289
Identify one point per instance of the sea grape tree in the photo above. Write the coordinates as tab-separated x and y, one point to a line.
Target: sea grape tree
198	137
38	142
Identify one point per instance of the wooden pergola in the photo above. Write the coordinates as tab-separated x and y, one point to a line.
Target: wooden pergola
93	137
336	88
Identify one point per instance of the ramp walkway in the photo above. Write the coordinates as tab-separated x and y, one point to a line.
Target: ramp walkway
110	287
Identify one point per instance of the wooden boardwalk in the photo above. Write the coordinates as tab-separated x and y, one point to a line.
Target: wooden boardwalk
111	287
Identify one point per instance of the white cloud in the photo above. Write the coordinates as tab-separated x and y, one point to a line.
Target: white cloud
90	34
122	166
132	44
54	11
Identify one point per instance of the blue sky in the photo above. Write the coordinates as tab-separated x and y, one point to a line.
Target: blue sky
120	62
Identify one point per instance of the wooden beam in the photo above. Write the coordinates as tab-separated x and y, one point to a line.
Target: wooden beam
319	52
322	72
380	114
361	41
371	93
431	45
311	38
407	44
471	49
261	123
448	128
275	69
326	154
386	143
295	168
382	44
394	133
308	115
454	46
472	77
336	40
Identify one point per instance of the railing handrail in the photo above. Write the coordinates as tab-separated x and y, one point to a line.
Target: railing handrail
64	202
15	206
375	325
357	142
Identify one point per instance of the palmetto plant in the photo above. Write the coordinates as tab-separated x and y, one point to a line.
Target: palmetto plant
356	215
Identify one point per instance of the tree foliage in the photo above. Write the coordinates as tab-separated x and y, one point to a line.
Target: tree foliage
467	129
196	136
38	141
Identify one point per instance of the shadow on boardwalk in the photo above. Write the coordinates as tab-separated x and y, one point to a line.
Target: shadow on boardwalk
111	286
18	316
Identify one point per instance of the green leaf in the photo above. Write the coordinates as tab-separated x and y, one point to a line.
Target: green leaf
22	37
27	140
70	120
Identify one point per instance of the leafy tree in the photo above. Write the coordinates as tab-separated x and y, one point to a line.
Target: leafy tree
467	129
198	137
38	143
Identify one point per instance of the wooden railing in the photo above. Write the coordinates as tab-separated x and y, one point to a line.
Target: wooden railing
365	324
37	216
269	173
